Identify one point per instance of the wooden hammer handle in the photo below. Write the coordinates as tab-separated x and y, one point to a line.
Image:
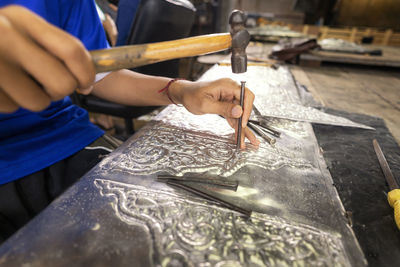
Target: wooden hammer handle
132	56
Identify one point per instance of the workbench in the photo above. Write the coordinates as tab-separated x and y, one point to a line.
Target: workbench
390	57
119	215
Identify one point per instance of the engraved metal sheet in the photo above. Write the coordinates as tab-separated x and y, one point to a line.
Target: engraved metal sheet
178	142
273	98
118	213
198	144
195	232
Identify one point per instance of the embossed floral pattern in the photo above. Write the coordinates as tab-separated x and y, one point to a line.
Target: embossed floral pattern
187	231
176	150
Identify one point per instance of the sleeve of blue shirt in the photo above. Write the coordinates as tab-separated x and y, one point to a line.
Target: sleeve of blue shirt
80	18
77	17
31	141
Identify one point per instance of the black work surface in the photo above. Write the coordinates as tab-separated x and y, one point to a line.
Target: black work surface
361	185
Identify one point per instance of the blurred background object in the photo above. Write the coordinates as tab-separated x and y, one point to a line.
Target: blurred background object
363	32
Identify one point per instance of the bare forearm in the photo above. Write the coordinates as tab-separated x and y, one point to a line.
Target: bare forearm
219	97
132	88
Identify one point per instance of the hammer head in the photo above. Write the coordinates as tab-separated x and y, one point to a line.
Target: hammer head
240	40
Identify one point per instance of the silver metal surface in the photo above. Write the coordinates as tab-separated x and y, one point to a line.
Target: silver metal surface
118	214
162	147
339	45
274	99
225	238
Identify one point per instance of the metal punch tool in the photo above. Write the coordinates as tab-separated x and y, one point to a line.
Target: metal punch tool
183	182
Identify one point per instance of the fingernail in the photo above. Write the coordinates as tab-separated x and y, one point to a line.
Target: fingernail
236	111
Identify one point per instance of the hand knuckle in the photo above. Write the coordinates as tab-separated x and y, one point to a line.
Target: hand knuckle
17	8
16	11
69	86
5	28
74	49
58	91
6	10
87	78
225	81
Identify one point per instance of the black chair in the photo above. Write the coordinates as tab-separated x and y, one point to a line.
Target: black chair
154	21
161	20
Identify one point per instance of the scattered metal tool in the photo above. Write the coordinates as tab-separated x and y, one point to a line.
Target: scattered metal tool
394	194
265	127
264	123
182	182
239	135
204	195
214	181
260	132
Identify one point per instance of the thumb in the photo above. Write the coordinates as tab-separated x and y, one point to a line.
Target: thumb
225	109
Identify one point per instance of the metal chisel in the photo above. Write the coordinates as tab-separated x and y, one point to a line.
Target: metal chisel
239	133
394	194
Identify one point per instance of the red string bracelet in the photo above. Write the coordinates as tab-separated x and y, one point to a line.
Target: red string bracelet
166	88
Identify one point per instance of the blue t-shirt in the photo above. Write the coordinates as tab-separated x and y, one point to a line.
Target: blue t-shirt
31	141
